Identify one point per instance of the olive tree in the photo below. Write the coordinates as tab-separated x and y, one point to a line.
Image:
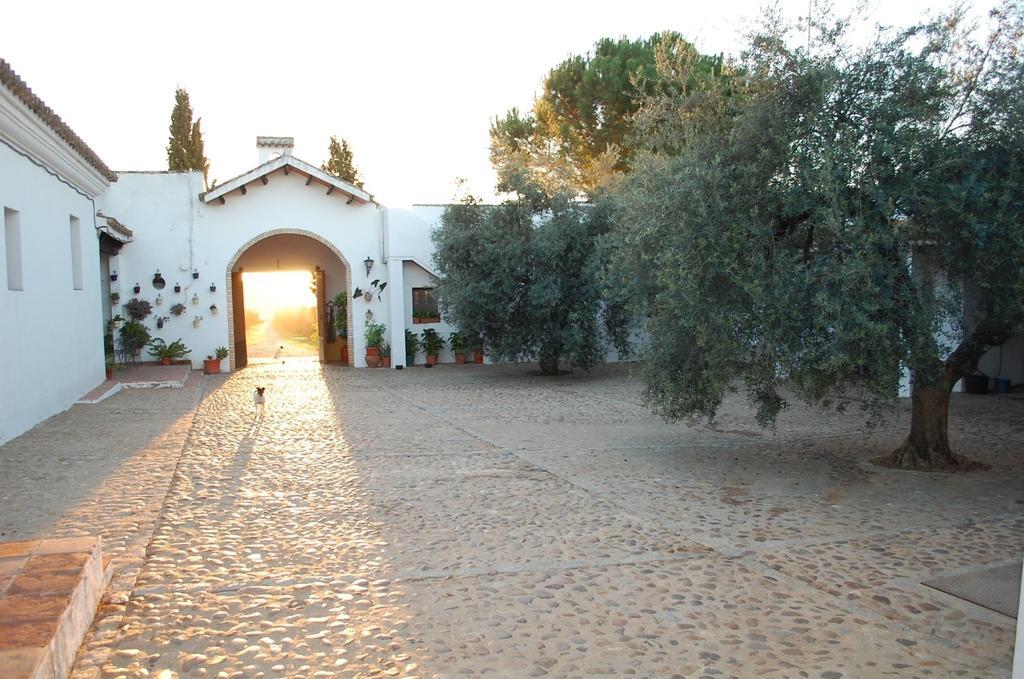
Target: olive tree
818	230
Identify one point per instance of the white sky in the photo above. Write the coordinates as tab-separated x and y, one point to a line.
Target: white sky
412	85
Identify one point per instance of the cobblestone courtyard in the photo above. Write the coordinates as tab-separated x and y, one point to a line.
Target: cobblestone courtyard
473	520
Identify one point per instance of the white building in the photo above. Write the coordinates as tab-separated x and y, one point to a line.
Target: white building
51	322
283	215
74	232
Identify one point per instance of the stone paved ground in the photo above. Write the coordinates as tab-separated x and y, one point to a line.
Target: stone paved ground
472	520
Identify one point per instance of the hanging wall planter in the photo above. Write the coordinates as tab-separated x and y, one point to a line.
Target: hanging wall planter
178	309
159	300
160	320
113	275
195	274
115	297
177	287
213	287
196	321
158	280
137	289
213	309
195	298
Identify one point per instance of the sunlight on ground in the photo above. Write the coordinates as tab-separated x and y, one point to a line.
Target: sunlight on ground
280	314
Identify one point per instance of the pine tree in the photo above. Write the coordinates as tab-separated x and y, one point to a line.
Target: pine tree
185	146
340	162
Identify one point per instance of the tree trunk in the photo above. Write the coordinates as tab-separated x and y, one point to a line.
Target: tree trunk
927	448
548	365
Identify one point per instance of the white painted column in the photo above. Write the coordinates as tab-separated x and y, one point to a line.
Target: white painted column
396	318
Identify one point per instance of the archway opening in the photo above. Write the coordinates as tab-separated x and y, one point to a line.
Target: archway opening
272	281
280	315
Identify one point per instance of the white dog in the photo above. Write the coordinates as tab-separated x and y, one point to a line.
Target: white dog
259	400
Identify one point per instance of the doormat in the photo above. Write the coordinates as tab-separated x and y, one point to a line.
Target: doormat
996	589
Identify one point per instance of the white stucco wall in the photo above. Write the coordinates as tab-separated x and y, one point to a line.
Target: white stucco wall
176	232
51	335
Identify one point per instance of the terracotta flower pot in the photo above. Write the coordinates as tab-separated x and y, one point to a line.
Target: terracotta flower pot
385	361
432	359
211	366
372	357
165	361
478	356
460	358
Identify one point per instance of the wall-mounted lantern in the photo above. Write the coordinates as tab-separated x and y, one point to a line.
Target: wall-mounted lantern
195	273
369	264
158	280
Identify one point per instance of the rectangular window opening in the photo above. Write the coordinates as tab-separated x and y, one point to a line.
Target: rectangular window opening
76	253
12	249
424	306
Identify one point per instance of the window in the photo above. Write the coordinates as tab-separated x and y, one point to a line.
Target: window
12	248
76	253
424	306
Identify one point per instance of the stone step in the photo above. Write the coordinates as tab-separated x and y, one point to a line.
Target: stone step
49	591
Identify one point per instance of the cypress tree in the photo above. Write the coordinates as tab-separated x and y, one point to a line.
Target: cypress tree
185	149
340	162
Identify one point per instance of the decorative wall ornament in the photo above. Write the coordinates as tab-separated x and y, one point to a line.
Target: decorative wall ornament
158	280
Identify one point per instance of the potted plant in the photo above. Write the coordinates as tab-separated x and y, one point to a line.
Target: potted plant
115	297
412	343
177	309
376	288
167	352
432	344
425	317
213	309
457	341
374	335
137	289
138	309
160	320
478	351
177	287
385	355
134	335
211	364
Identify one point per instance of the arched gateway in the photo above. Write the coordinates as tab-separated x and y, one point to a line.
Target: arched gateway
291	249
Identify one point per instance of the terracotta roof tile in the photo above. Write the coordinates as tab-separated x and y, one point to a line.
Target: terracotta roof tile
15	84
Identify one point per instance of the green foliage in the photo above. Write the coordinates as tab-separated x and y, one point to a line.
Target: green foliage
339	307
177	308
340	164
432	342
374	334
767	231
134	335
185	145
221	353
175	350
526	277
458	342
578	135
412	343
